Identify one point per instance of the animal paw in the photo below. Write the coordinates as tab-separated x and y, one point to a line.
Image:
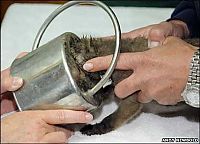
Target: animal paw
96	129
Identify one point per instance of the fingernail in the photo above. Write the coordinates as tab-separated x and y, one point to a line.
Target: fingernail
89	117
152	44
88	66
17	82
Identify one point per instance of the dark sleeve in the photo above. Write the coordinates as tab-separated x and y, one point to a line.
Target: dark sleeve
188	12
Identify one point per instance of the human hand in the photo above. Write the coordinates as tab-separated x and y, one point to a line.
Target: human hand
159	74
38	126
9	83
157	33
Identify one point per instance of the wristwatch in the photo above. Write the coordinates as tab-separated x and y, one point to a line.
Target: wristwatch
191	92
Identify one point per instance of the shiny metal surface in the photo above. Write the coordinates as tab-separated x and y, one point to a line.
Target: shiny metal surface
47	79
116	25
47	74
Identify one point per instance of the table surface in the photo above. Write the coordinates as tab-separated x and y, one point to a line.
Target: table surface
21	24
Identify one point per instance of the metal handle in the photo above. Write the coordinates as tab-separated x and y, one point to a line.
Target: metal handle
116	25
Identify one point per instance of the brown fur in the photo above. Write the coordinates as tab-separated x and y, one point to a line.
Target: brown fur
79	51
86	48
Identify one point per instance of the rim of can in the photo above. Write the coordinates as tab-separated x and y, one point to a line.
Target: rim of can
86	95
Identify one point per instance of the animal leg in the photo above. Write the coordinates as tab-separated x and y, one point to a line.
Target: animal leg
128	109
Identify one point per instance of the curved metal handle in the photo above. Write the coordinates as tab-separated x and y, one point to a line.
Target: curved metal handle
116	25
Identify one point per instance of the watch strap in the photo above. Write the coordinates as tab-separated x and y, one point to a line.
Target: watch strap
191	91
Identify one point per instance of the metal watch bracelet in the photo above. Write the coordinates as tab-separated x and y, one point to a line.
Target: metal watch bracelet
191	92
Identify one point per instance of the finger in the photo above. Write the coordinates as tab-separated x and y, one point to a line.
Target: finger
21	55
157	34
9	83
7	105
54	137
133	34
140	32
66	116
127	86
144	98
126	61
129	35
152	44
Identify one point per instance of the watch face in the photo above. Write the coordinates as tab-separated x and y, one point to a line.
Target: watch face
192	98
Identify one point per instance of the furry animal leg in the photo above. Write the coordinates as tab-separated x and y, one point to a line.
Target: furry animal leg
128	108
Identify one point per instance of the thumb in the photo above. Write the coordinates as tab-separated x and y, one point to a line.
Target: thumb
9	83
126	61
156	37
158	33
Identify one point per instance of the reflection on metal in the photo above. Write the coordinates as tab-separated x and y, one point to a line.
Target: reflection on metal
46	72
